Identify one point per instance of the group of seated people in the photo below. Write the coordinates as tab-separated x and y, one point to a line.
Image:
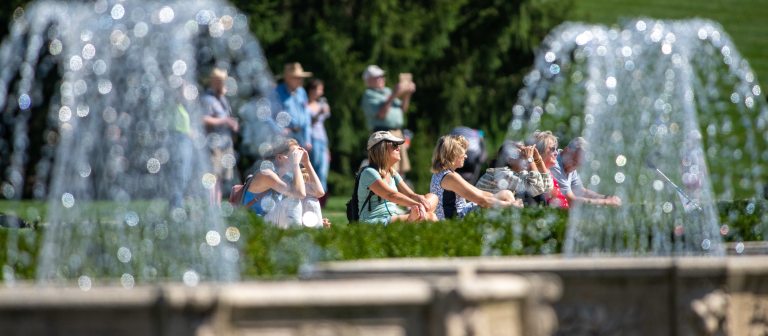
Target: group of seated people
523	174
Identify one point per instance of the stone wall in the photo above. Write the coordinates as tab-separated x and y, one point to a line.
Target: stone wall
464	304
619	296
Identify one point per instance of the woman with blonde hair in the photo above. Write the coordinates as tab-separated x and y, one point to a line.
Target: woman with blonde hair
546	144
457	197
381	189
278	189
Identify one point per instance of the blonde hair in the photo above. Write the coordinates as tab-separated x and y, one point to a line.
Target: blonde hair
448	149
378	156
282	148
217	73
542	139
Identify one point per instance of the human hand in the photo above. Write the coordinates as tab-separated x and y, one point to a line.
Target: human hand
233	124
326	223
518	203
613	201
304	156
536	154
296	155
422	201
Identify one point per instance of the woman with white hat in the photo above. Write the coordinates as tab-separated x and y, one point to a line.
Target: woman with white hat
381	189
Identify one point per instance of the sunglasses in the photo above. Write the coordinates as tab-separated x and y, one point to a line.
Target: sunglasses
553	149
394	144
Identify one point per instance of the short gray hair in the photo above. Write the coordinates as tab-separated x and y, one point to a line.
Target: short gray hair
578	143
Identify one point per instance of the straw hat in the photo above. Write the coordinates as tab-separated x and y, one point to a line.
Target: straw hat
295	70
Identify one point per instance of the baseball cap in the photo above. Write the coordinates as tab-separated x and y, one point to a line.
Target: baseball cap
380	136
373	71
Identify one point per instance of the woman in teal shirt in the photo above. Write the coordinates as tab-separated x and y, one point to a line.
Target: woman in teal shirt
381	189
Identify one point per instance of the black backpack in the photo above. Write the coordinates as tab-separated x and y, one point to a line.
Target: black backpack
353	212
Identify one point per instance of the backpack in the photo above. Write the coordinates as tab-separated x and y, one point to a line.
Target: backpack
237	195
353	212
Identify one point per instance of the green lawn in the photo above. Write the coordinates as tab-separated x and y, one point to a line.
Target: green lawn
335	209
743	20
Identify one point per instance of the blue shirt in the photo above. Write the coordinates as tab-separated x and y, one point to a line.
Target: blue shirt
566	182
295	104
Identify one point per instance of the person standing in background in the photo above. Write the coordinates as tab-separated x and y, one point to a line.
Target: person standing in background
293	114
219	125
385	109
319	111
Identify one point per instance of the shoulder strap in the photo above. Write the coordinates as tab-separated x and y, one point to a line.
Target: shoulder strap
370	192
258	197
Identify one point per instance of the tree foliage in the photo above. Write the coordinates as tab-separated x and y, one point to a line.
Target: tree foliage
467	59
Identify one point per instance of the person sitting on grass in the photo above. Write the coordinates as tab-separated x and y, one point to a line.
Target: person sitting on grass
381	188
519	169
281	180
457	197
564	172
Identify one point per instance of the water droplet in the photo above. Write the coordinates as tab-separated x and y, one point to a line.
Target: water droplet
610	82
75	63
55	47
621	160
554	69
105	86
666	48
267	203
209	180
756	90
310	219
84	170
84	282
161	231
658	185
89	51
179	68
619	177
594	180
83	110
24	101
117	12
132	218
502	184
706	244
283	119
67	200
124	255
140	29
153	165
65	114
191	278
8	190
750	208
228	160
165	14
212	238
626	51
127	281
267	165
667	207
640	25
232	234
549	57
740	247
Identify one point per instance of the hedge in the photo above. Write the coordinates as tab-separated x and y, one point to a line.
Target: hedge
269	252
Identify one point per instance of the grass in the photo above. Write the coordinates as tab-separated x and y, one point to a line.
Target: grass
335	209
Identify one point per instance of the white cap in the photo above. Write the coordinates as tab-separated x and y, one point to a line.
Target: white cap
380	136
373	71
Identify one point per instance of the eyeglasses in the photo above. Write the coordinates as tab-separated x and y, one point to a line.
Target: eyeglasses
553	149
